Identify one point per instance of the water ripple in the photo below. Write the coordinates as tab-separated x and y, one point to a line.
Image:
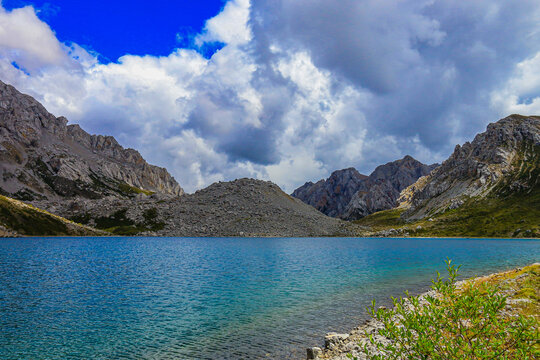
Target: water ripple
186	298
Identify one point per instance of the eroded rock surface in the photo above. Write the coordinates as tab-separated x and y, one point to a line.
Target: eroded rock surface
502	160
349	195
42	157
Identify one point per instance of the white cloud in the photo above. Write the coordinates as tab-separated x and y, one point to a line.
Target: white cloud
230	26
301	88
28	41
521	95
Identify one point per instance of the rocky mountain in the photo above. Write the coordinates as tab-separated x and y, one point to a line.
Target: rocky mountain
501	161
42	157
90	185
350	195
98	184
489	187
244	207
331	196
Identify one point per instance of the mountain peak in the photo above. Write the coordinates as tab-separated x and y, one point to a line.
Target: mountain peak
350	195
503	157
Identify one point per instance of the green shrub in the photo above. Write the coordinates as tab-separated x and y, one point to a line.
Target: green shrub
457	323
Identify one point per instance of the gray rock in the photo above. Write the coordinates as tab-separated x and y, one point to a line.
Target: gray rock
244	207
493	163
314	353
5	232
334	339
350	195
44	158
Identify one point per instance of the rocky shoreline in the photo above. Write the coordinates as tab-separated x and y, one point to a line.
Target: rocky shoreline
341	346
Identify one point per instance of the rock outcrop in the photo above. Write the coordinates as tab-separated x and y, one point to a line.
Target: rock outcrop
349	195
42	157
503	160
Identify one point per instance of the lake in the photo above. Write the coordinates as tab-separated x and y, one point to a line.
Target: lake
215	298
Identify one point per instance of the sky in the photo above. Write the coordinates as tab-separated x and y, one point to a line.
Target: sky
281	90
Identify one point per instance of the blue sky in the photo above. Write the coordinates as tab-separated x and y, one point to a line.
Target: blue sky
120	27
282	90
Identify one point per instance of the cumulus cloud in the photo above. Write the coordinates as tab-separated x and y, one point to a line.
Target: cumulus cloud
28	41
429	64
299	88
229	27
521	94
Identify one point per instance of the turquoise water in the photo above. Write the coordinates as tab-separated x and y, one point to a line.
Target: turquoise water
220	298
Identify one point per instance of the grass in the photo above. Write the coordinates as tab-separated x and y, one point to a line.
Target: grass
133	190
521	286
29	220
383	220
515	215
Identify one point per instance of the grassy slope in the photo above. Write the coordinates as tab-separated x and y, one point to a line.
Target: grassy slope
508	211
28	220
516	215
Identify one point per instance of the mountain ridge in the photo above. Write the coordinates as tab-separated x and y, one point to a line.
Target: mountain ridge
349	195
44	157
489	187
478	167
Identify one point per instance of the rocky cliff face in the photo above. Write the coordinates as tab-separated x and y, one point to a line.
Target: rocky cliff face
42	157
503	160
331	196
350	195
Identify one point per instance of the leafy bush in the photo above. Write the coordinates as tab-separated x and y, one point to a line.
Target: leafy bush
456	323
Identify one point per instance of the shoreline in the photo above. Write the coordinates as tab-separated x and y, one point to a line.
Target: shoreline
16	235
338	346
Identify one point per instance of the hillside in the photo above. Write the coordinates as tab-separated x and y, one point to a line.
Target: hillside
489	187
44	158
349	195
18	218
244	207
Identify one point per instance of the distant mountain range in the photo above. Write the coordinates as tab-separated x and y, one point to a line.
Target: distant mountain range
74	183
349	195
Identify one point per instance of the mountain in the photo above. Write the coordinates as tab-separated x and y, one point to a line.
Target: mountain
244	207
487	187
92	180
81	184
350	195
502	160
331	196
44	158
